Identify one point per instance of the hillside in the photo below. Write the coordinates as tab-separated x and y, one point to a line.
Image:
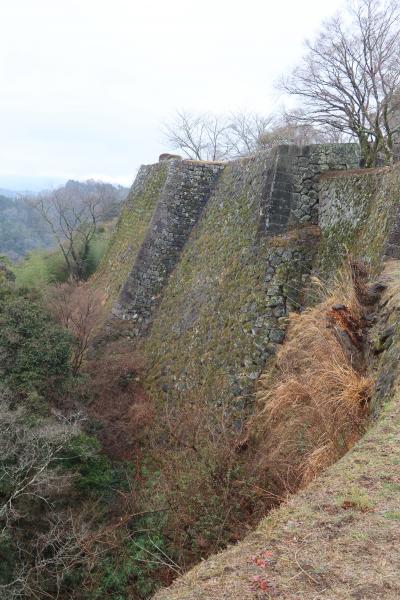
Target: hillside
22	229
212	412
211	320
337	539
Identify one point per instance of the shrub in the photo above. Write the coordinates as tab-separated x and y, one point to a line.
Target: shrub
119	405
40	268
97	249
35	351
197	477
95	471
77	308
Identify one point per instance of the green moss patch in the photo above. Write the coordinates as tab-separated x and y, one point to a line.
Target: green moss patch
357	216
130	232
211	335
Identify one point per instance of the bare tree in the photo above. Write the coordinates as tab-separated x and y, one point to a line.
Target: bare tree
349	79
199	136
241	134
294	128
73	223
28	458
72	215
77	307
245	131
30	475
211	137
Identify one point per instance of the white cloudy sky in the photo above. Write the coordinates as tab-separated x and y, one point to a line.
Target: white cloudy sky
86	84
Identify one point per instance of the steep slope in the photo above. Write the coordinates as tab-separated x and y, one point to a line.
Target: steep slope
336	539
203	289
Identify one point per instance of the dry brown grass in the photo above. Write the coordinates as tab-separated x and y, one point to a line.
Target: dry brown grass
315	410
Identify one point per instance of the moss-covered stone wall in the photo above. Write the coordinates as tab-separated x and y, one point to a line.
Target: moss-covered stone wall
207	261
358	215
292	185
130	231
225	305
186	191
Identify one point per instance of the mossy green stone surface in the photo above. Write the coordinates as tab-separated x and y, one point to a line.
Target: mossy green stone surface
356	216
130	231
210	336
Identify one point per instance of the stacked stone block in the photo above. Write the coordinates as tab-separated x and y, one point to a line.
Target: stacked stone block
292	186
186	191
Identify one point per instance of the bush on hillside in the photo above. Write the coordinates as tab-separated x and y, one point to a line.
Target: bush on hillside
35	351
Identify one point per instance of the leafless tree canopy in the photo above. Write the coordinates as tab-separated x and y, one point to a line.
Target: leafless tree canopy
295	129
201	137
245	131
73	226
211	137
72	214
77	307
349	79
30	474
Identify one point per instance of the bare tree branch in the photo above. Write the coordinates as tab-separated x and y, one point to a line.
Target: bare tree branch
349	79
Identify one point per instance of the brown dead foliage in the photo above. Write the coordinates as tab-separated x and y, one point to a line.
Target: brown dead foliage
119	403
77	307
315	409
115	399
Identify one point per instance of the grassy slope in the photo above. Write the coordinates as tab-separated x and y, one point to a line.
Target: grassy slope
335	540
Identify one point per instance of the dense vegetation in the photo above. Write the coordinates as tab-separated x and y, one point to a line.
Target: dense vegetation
102	494
67	518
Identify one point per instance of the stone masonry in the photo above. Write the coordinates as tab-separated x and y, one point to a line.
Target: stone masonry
292	187
185	193
288	199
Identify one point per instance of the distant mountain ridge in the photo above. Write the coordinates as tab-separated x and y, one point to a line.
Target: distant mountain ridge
14	194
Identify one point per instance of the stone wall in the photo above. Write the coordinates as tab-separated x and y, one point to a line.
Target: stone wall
359	215
223	260
224	308
186	190
292	188
130	231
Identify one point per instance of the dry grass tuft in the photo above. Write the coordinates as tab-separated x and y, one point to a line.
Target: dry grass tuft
315	410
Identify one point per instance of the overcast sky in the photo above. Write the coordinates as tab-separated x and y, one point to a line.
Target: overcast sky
86	84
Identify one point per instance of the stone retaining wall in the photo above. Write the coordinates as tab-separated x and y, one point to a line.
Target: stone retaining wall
359	214
187	188
292	186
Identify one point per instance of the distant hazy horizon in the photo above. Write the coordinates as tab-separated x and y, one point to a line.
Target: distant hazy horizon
26	183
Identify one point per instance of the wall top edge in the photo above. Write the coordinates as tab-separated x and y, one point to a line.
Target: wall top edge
359	171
